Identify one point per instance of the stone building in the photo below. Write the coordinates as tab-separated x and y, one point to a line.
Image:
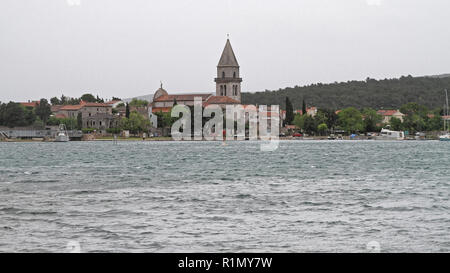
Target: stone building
228	87
94	115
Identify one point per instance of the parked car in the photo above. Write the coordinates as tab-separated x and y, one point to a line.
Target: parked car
297	135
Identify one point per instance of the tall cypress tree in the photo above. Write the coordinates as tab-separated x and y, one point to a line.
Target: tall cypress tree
289	112
127	111
79	121
304	107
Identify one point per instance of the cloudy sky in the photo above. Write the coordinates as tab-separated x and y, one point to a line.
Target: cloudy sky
125	47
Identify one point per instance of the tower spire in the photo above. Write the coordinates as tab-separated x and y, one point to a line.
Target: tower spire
228	58
228	81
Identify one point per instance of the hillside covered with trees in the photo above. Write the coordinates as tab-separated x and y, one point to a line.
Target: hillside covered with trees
376	94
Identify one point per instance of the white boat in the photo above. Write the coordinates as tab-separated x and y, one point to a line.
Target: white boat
387	134
445	137
62	135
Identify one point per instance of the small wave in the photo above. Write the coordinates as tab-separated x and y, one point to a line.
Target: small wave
243	196
85	192
37	181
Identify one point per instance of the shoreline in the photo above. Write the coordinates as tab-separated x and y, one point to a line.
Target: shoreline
171	139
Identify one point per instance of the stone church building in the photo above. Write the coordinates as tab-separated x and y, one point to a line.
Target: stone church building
228	87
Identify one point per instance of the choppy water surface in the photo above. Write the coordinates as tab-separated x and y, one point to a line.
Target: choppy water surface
201	196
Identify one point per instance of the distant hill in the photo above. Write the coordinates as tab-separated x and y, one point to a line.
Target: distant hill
377	94
148	98
440	76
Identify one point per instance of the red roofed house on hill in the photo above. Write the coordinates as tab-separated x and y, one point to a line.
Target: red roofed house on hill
388	114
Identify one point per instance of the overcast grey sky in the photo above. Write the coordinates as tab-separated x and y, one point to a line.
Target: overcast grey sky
125	47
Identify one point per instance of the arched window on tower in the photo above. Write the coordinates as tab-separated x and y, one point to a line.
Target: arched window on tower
224	90
223	74
234	75
221	90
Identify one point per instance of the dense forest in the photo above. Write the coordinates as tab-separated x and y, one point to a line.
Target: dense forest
377	94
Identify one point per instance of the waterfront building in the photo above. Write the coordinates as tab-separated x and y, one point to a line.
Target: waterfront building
388	114
94	115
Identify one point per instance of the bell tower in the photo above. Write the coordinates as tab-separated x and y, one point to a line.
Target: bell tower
228	81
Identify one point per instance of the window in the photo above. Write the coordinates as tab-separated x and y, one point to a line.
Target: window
221	90
235	90
224	90
234	74
223	74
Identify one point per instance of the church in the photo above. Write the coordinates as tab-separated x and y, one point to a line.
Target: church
228	87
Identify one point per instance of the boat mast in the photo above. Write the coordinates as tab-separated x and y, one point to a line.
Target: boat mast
446	98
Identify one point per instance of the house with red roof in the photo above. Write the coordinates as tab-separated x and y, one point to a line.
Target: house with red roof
93	114
388	114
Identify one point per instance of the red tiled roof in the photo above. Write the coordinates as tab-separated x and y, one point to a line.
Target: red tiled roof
161	109
181	97
220	100
446	117
112	101
386	112
269	114
95	104
56	108
60	116
71	107
31	104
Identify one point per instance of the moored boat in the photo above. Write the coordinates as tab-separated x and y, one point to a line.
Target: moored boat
62	135
387	134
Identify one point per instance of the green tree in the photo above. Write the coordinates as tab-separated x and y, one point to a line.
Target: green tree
299	121
79	121
309	125
43	110
99	100
436	123
396	124
289	112
304	112
55	101
63	100
138	103
371	119
136	124
322	128
13	115
127	111
88	98
350	120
